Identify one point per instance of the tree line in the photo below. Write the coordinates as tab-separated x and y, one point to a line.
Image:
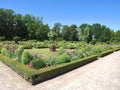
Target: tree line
29	27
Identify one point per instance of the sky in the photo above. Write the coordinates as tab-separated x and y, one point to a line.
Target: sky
67	12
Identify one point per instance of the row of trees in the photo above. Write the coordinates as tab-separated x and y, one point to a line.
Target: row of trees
30	27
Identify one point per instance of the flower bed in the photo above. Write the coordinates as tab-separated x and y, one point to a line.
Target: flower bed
36	76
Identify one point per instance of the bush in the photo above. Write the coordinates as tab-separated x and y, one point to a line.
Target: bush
4	51
25	57
98	49
61	51
2	38
28	45
51	61
53	71
94	41
16	39
37	63
80	54
18	53
63	58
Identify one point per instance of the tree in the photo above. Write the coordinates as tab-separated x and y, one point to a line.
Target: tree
66	32
42	31
74	33
52	35
57	29
6	23
85	33
96	28
19	26
117	36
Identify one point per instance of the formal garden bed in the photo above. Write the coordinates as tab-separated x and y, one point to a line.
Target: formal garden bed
40	61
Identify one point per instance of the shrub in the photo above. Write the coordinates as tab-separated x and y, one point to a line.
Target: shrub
25	57
98	49
37	63
16	39
18	53
50	61
4	51
61	51
80	54
2	38
63	58
28	45
94	41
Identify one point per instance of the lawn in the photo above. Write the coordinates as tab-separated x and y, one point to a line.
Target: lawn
44	53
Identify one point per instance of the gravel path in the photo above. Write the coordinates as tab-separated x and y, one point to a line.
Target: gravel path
103	74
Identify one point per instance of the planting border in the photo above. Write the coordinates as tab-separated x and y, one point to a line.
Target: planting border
36	76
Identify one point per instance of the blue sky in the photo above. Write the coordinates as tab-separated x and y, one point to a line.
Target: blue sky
106	12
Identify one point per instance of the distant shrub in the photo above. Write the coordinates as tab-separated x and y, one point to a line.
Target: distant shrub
94	41
16	39
28	45
2	38
61	51
63	58
25	57
37	63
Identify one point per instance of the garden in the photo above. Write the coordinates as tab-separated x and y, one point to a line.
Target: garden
38	61
39	52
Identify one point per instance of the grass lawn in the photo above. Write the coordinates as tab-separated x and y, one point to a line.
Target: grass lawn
44	53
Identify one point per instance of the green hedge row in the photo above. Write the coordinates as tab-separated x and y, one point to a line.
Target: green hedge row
53	71
106	53
21	69
36	76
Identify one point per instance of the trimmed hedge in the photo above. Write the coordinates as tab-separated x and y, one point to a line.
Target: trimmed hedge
53	71
36	76
106	53
21	69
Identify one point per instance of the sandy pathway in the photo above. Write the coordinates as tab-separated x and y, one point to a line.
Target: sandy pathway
103	74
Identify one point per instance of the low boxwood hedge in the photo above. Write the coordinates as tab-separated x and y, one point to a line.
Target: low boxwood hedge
21	69
106	53
36	76
53	71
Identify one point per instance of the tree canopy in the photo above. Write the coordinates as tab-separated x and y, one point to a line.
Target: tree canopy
30	27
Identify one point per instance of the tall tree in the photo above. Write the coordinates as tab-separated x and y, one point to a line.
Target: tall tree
57	29
66	32
74	33
85	33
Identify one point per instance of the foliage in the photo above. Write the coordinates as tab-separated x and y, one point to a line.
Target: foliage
18	53
52	35
94	41
4	51
51	61
63	58
16	39
61	51
2	38
25	57
37	62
